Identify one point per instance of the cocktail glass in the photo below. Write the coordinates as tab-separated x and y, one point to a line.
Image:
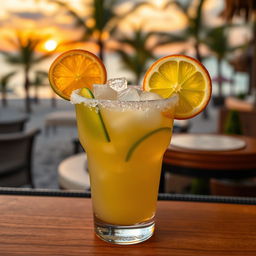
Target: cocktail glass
125	142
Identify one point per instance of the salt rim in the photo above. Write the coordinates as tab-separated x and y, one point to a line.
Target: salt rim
125	105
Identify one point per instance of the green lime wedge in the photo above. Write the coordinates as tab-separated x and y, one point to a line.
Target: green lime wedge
143	138
87	93
96	119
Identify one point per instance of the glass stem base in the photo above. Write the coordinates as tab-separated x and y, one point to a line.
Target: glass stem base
124	235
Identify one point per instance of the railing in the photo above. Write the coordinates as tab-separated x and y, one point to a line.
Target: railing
161	197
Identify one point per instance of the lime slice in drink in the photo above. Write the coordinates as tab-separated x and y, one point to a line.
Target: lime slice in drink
135	146
87	93
94	117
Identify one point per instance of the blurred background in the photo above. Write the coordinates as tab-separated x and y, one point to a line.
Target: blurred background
128	36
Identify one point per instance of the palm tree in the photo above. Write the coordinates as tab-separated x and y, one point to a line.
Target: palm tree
25	57
102	22
247	10
195	26
194	30
4	83
217	41
40	77
142	52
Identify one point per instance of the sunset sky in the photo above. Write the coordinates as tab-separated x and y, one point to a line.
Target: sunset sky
46	18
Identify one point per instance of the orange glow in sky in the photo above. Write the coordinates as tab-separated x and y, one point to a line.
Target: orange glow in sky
53	23
50	45
160	3
46	16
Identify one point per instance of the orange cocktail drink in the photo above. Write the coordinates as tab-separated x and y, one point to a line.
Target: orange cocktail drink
125	166
124	142
125	132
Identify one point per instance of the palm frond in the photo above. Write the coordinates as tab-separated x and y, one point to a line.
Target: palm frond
5	78
126	59
116	18
105	16
136	61
238	47
11	58
11	41
42	57
216	40
25	54
41	73
169	38
79	21
40	77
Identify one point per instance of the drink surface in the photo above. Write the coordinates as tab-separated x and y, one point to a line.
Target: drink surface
125	166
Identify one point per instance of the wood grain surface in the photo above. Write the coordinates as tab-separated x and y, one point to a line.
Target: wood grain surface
32	226
241	159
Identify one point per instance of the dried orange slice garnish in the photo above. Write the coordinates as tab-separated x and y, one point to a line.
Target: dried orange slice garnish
182	75
76	69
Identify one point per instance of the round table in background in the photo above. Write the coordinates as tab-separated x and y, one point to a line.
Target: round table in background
72	173
194	161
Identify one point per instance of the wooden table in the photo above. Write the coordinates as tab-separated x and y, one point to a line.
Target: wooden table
33	225
213	164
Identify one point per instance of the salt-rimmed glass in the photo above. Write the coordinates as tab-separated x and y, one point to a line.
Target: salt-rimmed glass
124	142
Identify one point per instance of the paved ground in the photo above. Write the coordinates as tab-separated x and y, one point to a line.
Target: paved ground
52	148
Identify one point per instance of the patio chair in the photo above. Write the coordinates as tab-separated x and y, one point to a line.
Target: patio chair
16	158
13	125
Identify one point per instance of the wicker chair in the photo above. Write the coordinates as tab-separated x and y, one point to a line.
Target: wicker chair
13	126
16	158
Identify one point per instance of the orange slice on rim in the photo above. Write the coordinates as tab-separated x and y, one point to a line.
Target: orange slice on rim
182	75
76	69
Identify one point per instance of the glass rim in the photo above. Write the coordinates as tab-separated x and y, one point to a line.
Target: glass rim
159	103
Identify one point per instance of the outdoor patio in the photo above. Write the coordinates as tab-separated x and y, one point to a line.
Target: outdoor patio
163	94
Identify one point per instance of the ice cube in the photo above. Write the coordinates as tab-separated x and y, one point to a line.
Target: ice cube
149	96
104	92
118	84
129	94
